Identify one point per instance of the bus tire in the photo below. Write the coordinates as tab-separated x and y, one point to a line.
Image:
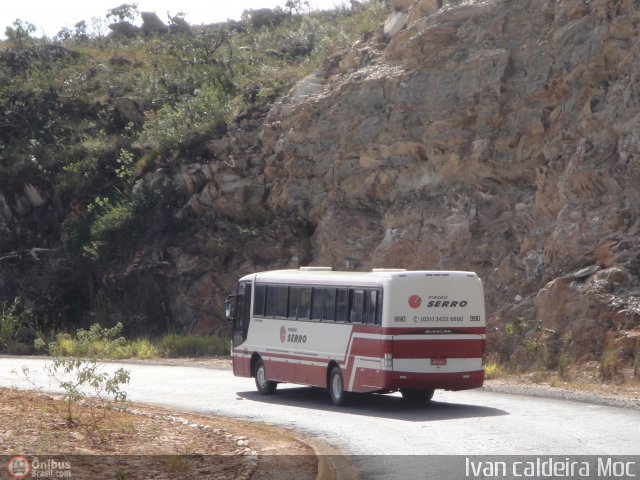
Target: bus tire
336	387
264	386
416	397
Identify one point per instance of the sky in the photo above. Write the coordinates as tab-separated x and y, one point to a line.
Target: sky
50	16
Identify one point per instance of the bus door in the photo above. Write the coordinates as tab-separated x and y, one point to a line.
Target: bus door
367	350
240	322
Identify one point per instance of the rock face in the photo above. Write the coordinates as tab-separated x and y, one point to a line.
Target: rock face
496	136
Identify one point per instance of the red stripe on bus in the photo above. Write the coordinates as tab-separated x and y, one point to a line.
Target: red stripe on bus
367	347
437	348
367	379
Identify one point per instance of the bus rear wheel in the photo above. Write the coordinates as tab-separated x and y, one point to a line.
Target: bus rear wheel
416	397
336	387
264	386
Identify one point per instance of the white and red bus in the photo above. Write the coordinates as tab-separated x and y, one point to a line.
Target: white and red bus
379	331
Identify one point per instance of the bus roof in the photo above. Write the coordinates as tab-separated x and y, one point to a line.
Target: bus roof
324	274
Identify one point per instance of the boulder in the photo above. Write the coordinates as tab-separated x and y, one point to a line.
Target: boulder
127	110
152	25
394	23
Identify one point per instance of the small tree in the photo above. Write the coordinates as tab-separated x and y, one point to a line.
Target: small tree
98	27
80	30
84	378
82	375
297	6
20	33
125	12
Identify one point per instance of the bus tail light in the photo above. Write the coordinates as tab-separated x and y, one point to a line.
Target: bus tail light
388	354
388	360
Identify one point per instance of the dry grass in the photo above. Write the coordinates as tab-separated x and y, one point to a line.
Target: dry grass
33	425
581	378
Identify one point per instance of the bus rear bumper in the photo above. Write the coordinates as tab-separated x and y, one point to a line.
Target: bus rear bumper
428	381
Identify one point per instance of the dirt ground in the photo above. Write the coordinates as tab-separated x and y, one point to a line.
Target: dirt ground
146	442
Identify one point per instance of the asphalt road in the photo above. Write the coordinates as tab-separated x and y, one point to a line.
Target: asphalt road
381	430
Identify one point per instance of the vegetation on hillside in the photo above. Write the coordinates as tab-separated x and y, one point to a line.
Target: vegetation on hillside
85	114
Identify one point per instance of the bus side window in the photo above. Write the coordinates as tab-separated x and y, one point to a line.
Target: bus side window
258	306
356	301
304	305
316	303
372	307
293	302
270	310
342	305
282	301
329	313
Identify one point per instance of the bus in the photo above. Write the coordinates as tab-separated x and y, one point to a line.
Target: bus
381	331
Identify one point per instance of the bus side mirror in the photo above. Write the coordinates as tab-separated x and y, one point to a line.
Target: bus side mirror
229	303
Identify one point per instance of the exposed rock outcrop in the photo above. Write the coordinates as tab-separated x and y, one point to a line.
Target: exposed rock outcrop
495	136
152	25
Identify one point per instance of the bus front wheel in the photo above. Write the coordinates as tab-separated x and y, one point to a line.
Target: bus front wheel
264	386
336	387
416	396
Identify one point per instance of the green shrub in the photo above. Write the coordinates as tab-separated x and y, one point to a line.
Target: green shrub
610	365
9	325
492	367
173	345
144	349
17	329
492	370
107	220
176	126
104	343
564	357
95	342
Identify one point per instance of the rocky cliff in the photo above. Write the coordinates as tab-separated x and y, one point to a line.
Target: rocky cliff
496	136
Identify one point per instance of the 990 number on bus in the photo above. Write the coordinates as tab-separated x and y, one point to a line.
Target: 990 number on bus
399	318
474	318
